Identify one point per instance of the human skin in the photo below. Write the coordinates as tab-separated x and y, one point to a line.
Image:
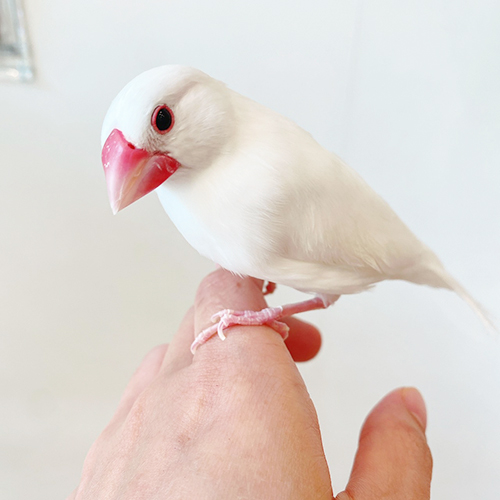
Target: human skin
235	421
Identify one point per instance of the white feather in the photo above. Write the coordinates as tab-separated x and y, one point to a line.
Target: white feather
260	197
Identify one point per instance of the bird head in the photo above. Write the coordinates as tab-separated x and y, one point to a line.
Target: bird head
167	119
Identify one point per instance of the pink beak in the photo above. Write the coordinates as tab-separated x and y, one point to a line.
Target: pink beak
131	172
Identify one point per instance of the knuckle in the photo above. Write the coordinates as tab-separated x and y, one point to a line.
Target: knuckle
208	284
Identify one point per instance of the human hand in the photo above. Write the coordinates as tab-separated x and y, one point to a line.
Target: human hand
236	421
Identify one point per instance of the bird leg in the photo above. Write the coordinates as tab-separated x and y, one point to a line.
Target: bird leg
268	316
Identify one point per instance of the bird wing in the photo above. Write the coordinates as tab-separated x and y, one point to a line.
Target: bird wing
339	220
342	230
316	215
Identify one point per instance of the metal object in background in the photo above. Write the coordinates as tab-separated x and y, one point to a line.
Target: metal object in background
15	61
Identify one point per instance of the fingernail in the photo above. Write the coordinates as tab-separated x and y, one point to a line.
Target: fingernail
415	404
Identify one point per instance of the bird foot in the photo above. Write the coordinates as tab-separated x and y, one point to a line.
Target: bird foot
268	316
227	318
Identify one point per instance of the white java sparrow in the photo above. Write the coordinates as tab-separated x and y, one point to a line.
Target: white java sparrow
255	193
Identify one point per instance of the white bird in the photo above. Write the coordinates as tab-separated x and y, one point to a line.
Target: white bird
255	193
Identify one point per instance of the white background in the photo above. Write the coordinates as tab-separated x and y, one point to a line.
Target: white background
406	92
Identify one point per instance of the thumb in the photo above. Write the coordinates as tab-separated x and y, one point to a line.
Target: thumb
393	460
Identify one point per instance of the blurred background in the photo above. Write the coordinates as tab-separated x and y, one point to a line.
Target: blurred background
408	93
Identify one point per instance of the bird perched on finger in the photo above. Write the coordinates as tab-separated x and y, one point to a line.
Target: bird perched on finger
252	191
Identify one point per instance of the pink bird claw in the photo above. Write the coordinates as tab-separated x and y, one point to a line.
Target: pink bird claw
223	323
220	331
279	327
228	317
217	317
268	317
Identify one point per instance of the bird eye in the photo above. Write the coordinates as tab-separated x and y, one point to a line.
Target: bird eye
162	119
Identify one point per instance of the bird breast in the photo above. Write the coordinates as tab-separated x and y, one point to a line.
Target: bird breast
222	214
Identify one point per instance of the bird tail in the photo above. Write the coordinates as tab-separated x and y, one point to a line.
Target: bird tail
435	275
483	314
